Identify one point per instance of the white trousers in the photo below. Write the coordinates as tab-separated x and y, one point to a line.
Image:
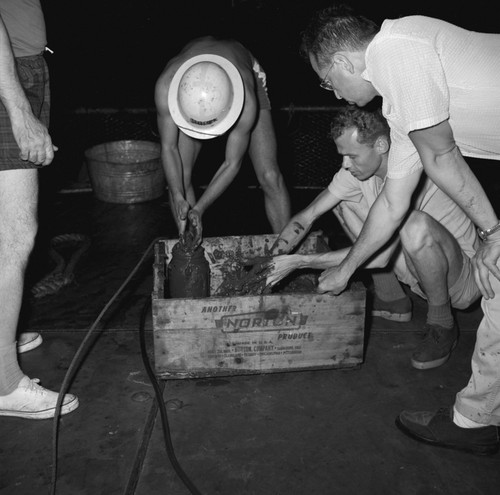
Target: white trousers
480	399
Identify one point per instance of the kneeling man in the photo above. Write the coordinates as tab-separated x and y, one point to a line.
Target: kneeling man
432	249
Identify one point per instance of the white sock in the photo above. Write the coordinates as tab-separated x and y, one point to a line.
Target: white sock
463	422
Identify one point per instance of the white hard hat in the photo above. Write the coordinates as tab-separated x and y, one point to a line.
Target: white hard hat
206	96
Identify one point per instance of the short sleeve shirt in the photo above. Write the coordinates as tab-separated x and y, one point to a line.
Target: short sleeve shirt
428	71
428	198
26	26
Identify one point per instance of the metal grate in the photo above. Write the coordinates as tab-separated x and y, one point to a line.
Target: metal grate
308	157
314	155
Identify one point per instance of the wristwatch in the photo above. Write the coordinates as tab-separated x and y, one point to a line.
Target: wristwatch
483	234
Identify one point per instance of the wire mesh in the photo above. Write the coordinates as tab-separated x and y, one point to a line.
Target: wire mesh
308	157
314	155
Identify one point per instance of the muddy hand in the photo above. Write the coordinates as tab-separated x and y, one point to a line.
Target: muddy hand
195	228
261	266
281	267
182	208
271	270
251	284
253	281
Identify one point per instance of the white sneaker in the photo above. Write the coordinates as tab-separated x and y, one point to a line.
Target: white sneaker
32	401
28	341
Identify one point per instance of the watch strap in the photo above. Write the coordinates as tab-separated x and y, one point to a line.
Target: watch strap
484	234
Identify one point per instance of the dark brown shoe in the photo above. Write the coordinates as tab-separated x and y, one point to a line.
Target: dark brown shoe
435	348
438	428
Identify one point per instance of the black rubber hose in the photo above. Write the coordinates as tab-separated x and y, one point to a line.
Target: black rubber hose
83	347
161	405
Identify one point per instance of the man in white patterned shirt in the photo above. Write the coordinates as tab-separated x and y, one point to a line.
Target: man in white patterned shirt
440	88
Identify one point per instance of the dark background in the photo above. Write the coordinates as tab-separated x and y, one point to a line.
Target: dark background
108	53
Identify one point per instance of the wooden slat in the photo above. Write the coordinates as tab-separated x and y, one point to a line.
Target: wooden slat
257	334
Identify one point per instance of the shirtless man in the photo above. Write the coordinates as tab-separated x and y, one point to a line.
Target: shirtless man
213	88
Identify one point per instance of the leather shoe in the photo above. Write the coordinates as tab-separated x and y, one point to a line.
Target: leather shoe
438	428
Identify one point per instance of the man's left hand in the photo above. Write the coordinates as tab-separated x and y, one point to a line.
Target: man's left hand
280	267
195	227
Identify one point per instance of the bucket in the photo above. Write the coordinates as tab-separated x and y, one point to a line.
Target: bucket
126	171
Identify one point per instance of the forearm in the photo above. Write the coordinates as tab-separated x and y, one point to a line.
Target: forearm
219	183
444	164
236	147
171	159
32	137
451	173
381	260
379	227
172	166
290	236
301	223
178	197
320	261
324	261
283	265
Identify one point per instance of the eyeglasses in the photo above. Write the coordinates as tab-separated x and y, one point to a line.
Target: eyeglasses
325	84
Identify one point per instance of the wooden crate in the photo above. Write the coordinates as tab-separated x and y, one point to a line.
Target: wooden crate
220	336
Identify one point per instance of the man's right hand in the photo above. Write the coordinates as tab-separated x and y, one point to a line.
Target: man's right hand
334	279
33	139
485	263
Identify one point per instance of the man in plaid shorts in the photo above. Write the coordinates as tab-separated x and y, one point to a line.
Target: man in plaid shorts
25	145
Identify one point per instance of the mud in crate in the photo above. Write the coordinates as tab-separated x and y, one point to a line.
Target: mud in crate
240	335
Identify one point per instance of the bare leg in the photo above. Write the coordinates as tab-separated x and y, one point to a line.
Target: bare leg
263	153
433	255
20	396
435	258
18	226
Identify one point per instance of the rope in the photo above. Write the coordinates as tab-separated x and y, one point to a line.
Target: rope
63	273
